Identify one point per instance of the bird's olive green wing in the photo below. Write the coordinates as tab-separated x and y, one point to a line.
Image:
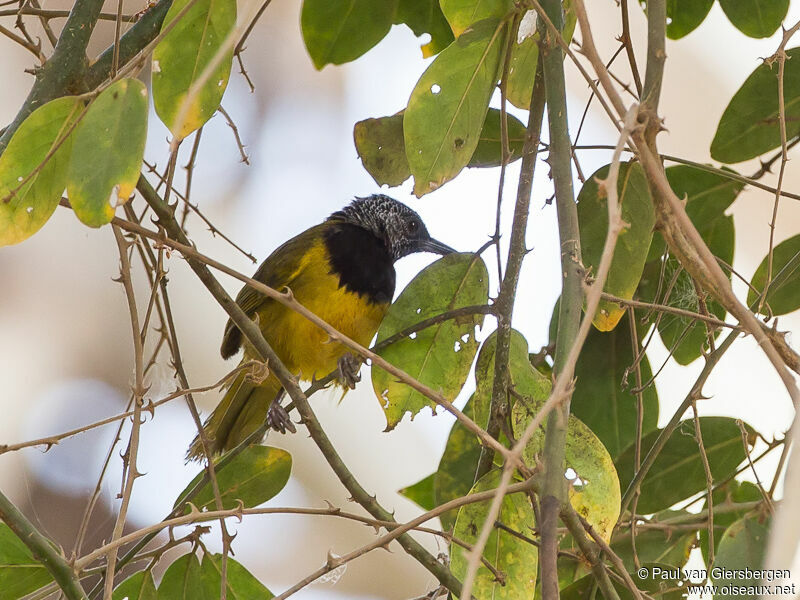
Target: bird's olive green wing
278	271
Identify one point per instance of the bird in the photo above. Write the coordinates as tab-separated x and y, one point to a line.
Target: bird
343	271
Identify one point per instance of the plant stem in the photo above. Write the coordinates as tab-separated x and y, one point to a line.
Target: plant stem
504	305
64	71
42	549
553	486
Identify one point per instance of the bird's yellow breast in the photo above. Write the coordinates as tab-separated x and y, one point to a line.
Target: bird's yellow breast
304	348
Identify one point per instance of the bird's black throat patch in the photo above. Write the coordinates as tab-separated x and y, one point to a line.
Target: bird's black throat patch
361	261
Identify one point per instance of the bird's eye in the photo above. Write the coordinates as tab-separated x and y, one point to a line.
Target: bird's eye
413	225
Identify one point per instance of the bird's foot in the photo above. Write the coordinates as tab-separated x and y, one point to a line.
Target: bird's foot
278	418
349	367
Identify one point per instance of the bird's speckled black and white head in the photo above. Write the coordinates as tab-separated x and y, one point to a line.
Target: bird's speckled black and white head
400	228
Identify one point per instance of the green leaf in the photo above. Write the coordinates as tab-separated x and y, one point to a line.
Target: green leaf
382	150
20	573
448	106
526	380
756	18
749	126
28	199
743	546
708	195
463	13
677	472
655	545
684	16
241	584
686	337
667	588
107	152
381	147
338	31
187	579
440	355
421	492
784	290
602	398
254	476
138	586
594	492
633	242
516	558
457	467
425	16
524	57
183	55
488	152
733	491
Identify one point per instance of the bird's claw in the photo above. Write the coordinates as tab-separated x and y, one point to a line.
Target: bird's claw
349	367
278	418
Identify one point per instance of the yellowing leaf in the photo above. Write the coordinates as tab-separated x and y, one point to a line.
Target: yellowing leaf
517	558
633	242
594	490
181	57
107	152
33	169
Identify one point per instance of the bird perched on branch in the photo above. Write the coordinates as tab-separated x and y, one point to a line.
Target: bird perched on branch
343	271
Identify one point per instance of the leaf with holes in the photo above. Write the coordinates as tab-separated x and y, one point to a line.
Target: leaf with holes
749	126
183	55
447	108
440	355
20	573
677	472
684	16
29	196
743	546
783	295
516	558
187	579
241	584
107	152
525	56
594	491
633	242
460	14
338	31
425	16
254	476
603	398
139	586
756	18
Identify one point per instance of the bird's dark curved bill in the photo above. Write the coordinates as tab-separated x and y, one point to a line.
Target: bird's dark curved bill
435	246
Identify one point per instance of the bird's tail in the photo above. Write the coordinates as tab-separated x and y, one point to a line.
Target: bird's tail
241	411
